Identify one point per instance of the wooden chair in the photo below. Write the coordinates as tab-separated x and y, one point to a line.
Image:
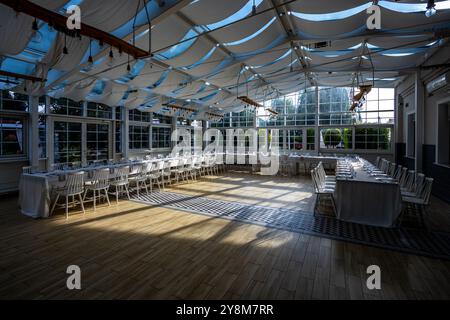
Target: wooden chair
120	183
99	183
139	179
155	174
74	187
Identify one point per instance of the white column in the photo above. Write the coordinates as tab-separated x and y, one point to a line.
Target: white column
126	133
317	121
420	121
34	131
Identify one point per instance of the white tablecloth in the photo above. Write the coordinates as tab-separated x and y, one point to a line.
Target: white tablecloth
302	164
35	190
366	200
35	194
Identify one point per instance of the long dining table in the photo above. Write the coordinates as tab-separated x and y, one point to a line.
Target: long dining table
367	198
35	189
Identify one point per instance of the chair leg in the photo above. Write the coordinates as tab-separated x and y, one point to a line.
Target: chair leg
67	207
95	200
316	203
137	187
107	197
334	205
128	192
81	203
54	204
117	195
159	184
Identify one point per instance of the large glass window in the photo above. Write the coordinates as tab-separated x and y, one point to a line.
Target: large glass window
379	108
66	107
161	138
160	119
42	136
373	138
334	106
310	139
139	137
138	116
336	138
294	139
118	129
98	110
97	142
9	100
11	136
67	142
243	119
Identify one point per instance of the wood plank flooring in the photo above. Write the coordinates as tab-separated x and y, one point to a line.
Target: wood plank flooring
133	251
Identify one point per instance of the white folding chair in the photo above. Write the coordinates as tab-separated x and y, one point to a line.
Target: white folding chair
420	202
321	190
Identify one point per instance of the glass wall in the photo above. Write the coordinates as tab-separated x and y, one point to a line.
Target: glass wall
161	138
12	136
370	127
67	142
97	142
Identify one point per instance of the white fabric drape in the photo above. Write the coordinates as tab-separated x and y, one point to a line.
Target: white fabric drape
15	29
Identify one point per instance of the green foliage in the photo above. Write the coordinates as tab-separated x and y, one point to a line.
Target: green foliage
332	137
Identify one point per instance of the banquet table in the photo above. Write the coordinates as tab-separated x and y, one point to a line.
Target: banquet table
35	190
303	163
367	199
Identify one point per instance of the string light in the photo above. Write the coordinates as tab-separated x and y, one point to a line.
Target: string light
65	50
431	9
90	59
35	25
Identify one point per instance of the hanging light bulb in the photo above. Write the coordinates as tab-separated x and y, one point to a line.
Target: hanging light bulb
90	59
431	9
128	65
35	25
65	50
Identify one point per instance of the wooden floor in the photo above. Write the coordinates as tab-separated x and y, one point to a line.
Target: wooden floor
133	251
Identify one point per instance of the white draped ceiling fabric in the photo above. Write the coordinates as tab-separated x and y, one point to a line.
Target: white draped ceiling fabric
207	72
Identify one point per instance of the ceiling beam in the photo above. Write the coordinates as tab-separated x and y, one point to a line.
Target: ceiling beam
169	8
288	26
59	22
21	76
373	34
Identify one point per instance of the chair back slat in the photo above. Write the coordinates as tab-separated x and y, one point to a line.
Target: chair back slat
426	192
122	174
391	170
409	183
75	183
419	183
404	176
100	179
398	173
